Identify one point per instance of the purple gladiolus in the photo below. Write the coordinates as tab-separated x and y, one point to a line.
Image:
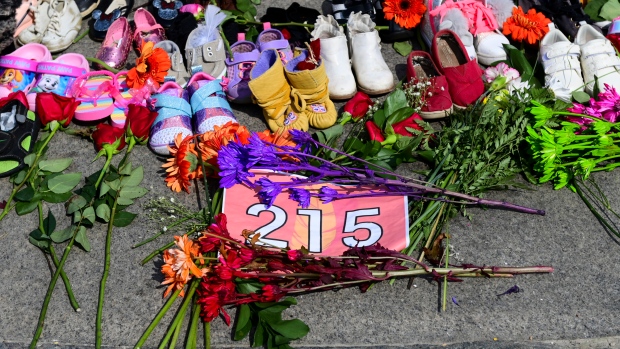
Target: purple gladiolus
269	190
232	160
302	196
327	194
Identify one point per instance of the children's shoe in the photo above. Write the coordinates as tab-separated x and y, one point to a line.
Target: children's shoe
106	13
147	29
18	70
86	7
174	117
209	105
181	28
273	39
41	19
560	60
177	72
295	13
598	58
342	9
64	26
57	76
437	103
373	75
204	49
490	47
464	76
24	16
311	92
165	11
394	32
18	133
239	66
115	48
273	94
335	57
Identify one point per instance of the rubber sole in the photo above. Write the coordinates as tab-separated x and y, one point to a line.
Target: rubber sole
488	60
433	115
374	93
89	10
342	97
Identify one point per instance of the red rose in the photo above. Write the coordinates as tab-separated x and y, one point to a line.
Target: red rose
358	105
51	106
374	131
401	127
139	121
19	95
108	134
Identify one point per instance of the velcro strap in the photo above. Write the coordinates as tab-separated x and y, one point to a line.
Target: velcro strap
555	65
562	50
598	47
211	103
196	69
170	107
59	69
274	44
243	57
18	63
600	64
202	98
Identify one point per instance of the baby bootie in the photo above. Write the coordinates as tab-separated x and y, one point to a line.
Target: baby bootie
273	94
312	94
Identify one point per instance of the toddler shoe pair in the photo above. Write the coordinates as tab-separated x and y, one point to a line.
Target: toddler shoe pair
196	109
291	98
56	24
372	74
592	54
454	78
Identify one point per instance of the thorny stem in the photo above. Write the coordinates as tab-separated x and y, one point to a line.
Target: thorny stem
52	251
157	319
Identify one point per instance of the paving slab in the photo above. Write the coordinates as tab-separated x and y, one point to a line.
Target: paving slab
576	306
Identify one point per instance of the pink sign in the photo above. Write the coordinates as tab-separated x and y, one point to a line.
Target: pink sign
324	229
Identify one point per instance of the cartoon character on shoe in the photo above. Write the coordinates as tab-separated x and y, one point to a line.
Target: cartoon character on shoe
9	76
167	10
49	83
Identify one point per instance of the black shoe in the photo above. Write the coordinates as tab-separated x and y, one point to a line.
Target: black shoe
180	28
87	6
105	14
165	12
341	9
294	13
395	32
18	133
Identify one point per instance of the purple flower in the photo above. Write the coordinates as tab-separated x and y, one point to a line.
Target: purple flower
258	151
303	139
302	196
327	194
233	162
269	191
608	104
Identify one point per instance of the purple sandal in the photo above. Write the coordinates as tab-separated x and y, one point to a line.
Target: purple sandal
239	65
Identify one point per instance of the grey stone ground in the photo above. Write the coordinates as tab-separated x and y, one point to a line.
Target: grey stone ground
577	306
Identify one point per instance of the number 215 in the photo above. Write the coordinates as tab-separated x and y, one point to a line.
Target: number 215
315	226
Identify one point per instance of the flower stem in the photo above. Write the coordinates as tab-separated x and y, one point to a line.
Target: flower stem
445	278
52	251
156	252
207	334
193	328
29	173
102	64
104	170
178	320
179	222
104	278
81	36
157	319
596	214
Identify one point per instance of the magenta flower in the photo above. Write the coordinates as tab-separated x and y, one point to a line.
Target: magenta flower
608	104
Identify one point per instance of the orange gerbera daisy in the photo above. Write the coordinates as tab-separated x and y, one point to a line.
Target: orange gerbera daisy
279	138
153	64
182	166
530	26
406	13
179	266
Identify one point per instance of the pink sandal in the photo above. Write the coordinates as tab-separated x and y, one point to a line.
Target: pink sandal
147	29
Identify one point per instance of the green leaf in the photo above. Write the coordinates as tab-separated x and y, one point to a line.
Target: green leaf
56	165
520	63
243	325
82	239
103	189
19	177
251	34
29	159
76	203
596	88
62	235
115	184
89	214
259	335
330	134
124	201
396	100
399	115
64	183
134	179
132	192
581	97
25	194
402	47
39	239
22	208
246	286
103	212
610	10
123	218
126	170
49	223
55	198
379	118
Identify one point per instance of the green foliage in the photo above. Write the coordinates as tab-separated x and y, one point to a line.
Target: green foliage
403	48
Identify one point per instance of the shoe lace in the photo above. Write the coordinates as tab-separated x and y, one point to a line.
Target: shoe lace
54	25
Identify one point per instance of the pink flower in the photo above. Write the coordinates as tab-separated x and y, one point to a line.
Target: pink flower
608	104
501	69
194	9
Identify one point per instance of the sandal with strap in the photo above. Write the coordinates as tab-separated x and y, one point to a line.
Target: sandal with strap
174	117
239	66
147	29
209	104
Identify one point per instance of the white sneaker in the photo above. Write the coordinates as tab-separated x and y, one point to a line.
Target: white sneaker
34	33
335	55
64	26
598	58
560	59
489	47
371	72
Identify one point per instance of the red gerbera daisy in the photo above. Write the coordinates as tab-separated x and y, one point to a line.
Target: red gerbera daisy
406	13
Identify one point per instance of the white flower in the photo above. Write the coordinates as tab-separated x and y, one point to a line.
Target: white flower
165	229
172	200
442	88
430	94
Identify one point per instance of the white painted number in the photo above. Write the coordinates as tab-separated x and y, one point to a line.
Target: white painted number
351	225
315	229
279	219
